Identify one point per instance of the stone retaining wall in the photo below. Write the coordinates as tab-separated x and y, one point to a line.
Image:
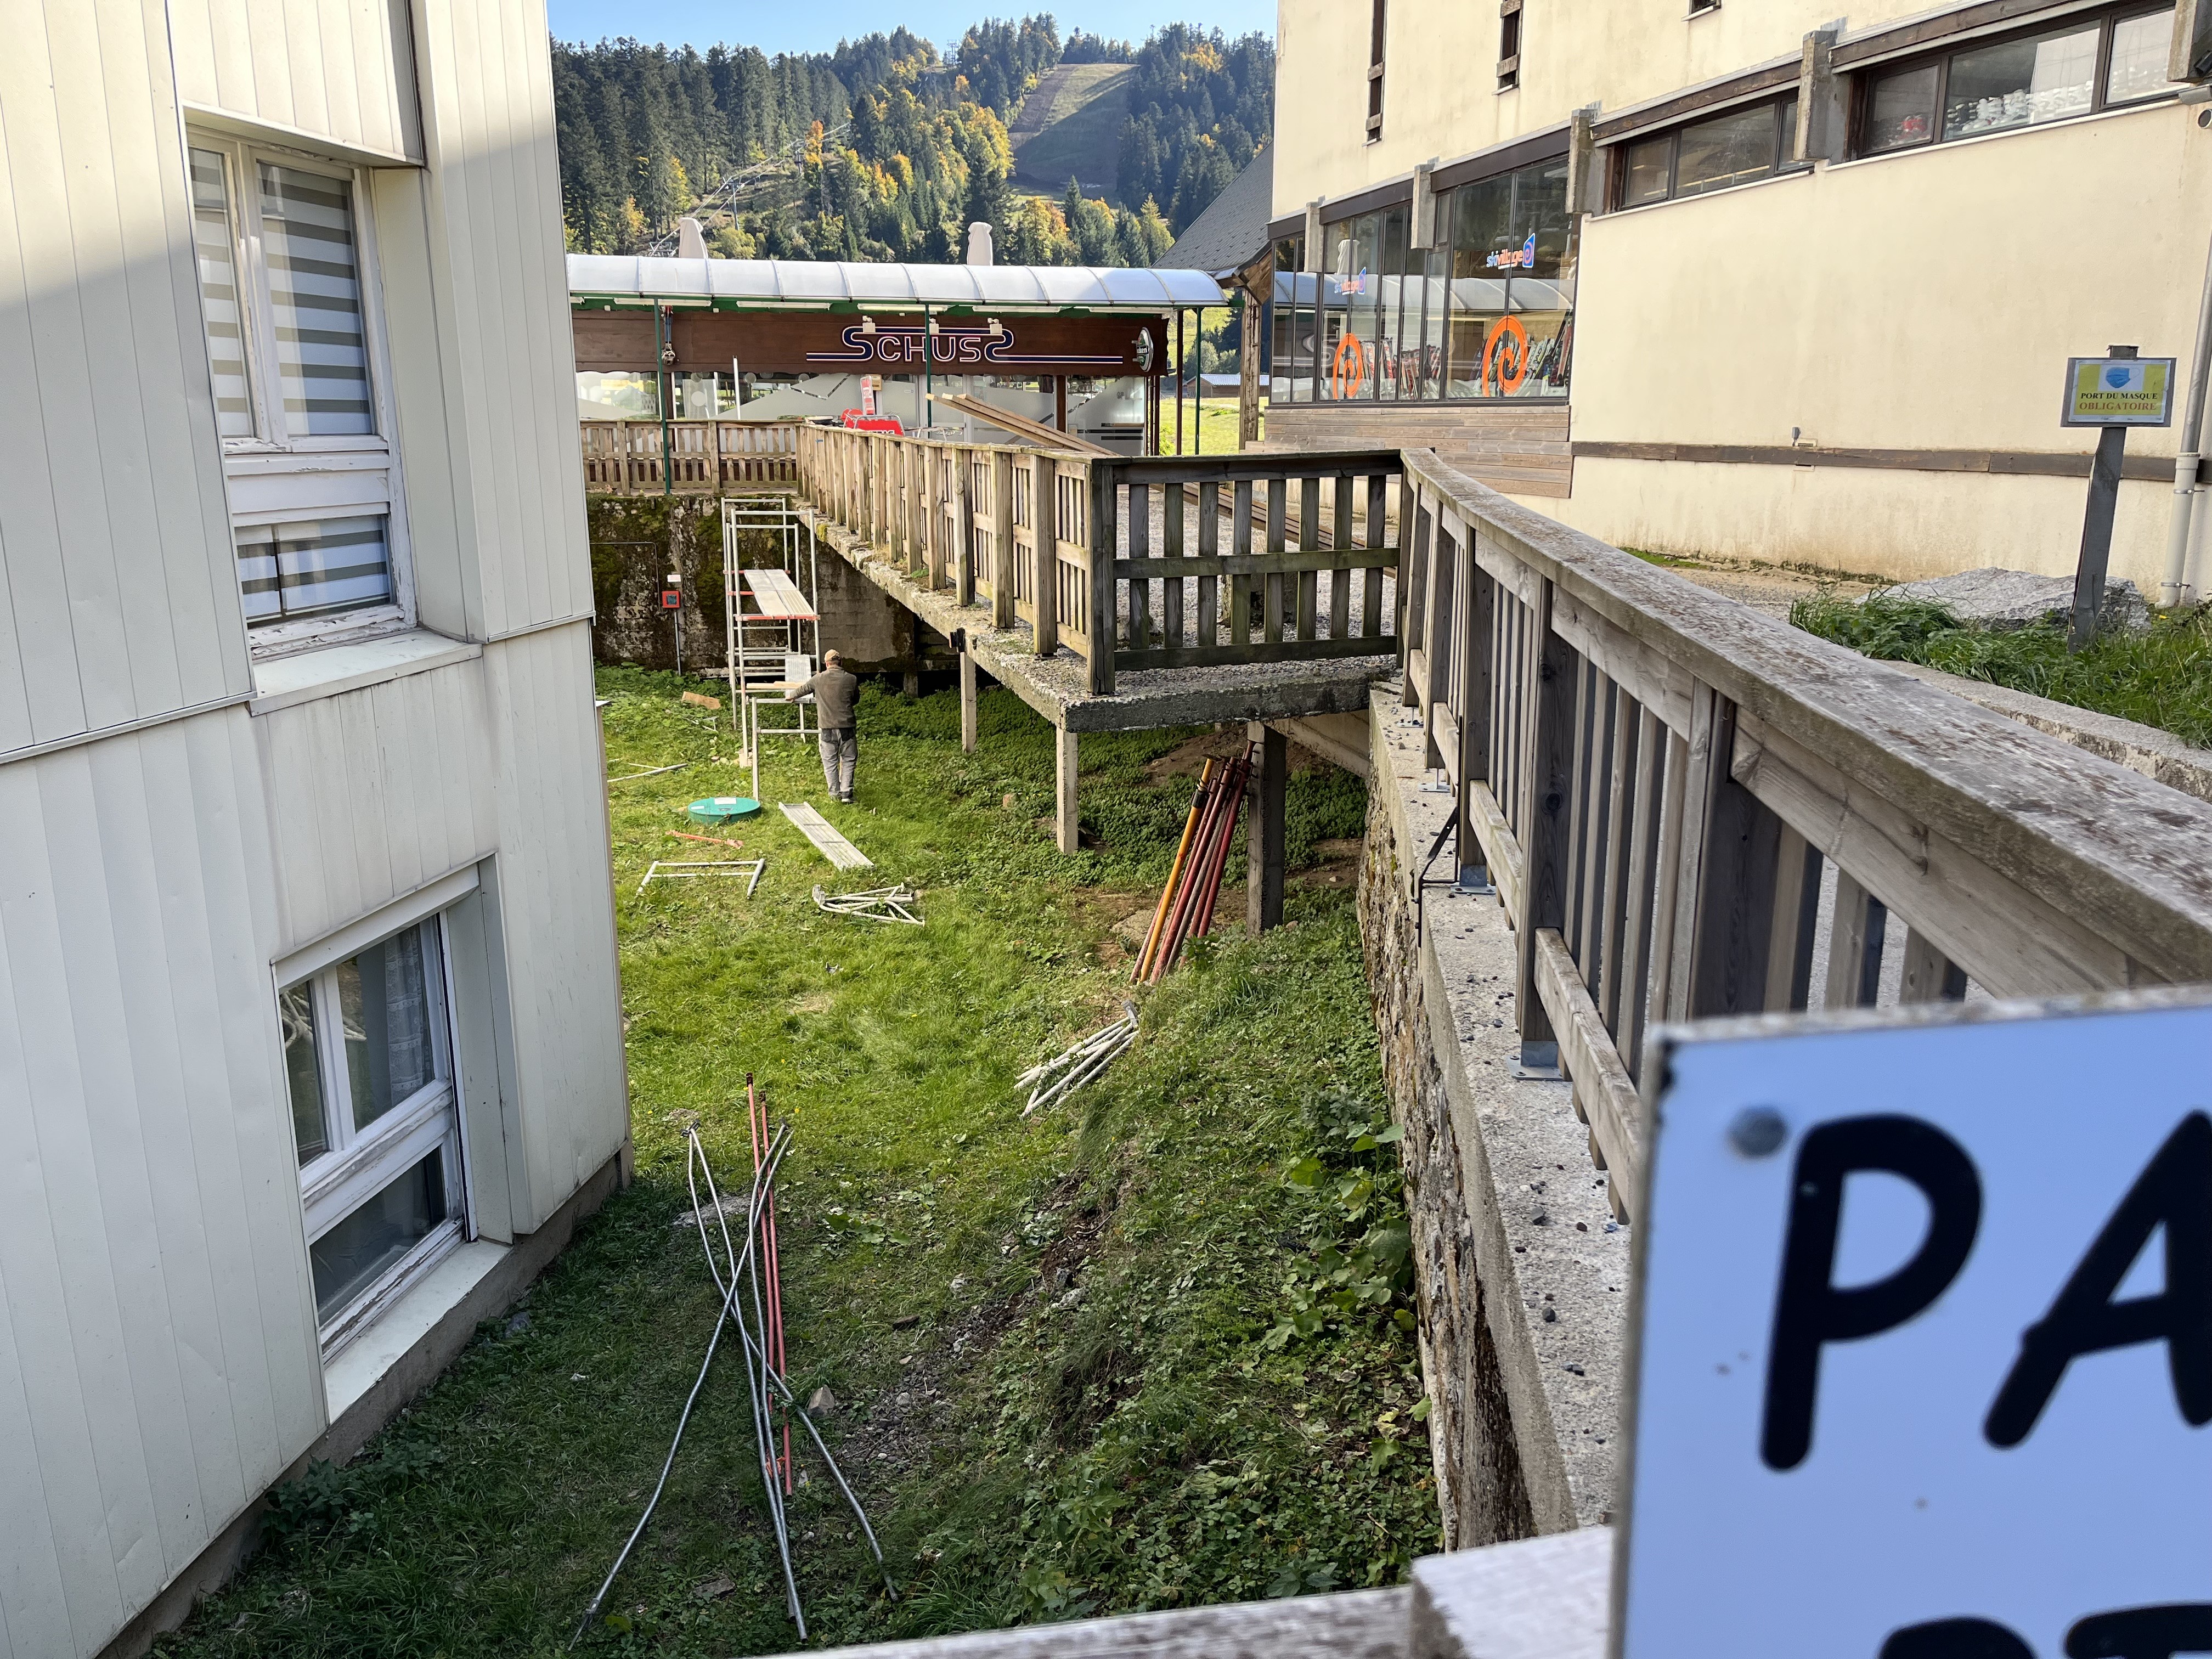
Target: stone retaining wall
1521	1271
636	540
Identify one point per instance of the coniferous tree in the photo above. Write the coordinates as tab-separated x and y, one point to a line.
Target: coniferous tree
910	148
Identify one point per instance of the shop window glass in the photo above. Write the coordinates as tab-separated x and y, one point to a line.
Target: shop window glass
1511	318
1292	291
2021	82
1901	110
1425	298
624	396
1647	176
705	397
2009	84
1387	373
2140	45
1732	150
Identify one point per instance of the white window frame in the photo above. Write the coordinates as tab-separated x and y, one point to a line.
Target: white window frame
273	476
359	1163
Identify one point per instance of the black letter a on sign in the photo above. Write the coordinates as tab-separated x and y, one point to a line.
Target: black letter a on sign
1809	1310
2174	1192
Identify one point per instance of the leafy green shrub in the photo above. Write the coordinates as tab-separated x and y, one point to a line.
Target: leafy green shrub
1363	1246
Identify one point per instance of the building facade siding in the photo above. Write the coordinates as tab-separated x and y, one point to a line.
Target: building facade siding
182	812
1853	363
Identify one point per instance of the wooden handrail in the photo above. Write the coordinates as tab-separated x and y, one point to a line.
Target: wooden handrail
1667	786
1206	596
686	458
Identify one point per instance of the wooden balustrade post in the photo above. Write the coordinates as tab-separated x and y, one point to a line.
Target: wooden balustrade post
1929	975
1104	547
964	527
932	514
1857	927
1739	877
913	531
1412	585
1437	633
1546	815
879	477
1307	590
1044	529
1473	710
1002	540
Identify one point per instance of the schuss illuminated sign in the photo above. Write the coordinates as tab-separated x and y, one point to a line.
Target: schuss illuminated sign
901	344
816	342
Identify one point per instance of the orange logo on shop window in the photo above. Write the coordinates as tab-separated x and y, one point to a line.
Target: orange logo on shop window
1348	370
1503	369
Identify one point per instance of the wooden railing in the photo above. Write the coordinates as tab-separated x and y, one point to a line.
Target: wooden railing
688	457
1676	796
1163	563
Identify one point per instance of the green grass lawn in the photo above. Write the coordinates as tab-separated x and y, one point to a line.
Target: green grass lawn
1158	1355
2162	678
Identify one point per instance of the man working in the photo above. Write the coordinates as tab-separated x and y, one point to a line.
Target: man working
834	691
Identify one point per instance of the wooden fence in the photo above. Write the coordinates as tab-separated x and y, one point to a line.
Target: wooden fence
1666	786
694	457
1154	563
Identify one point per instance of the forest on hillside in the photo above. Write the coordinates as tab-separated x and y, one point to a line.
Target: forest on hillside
884	149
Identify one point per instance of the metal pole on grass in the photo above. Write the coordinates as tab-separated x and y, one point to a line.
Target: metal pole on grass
2097	526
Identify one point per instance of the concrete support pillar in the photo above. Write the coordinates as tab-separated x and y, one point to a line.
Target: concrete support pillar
910	682
1263	832
1063	787
967	699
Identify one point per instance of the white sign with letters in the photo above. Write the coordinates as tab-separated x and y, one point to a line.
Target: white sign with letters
1924	1338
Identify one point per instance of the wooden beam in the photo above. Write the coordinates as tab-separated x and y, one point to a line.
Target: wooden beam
2013	942
1066	832
1604	1094
2087	838
1263	832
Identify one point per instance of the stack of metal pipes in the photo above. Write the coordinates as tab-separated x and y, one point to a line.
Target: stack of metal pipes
1186	909
749	1273
1068	1071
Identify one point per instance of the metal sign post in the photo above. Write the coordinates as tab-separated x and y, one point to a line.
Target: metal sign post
671	601
2111	393
1921	1336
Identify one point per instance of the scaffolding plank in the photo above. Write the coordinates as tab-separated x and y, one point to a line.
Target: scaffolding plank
778	597
827	841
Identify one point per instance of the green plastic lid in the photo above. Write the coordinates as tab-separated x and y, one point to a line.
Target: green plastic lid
722	809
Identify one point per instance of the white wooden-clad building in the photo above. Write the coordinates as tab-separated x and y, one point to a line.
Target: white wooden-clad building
310	1041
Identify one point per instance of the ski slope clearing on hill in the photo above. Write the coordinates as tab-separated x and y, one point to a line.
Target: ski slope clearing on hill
1070	126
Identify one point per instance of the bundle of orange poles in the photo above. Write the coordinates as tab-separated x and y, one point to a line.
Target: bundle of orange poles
1186	908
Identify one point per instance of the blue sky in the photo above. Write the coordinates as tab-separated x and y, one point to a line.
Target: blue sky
776	28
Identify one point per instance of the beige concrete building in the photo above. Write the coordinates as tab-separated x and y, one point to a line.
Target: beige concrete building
1752	280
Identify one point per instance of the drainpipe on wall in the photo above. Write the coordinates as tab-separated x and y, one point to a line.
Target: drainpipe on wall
2174	590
